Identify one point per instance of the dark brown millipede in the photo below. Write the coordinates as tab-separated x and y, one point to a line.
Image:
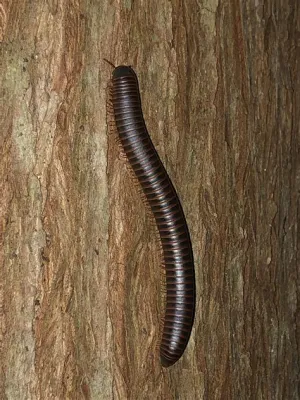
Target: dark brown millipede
164	203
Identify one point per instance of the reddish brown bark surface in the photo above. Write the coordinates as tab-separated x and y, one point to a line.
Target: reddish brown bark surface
79	261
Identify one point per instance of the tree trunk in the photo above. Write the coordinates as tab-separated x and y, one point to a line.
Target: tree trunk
80	274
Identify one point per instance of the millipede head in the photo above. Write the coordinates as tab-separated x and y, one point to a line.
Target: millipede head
122	71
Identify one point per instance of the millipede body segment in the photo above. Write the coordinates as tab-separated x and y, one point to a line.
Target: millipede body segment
167	211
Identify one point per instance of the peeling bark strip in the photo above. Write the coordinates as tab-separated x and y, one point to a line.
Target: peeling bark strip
164	203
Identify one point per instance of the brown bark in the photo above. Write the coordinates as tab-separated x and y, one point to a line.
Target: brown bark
79	261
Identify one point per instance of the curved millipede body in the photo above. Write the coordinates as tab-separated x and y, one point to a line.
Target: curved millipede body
167	211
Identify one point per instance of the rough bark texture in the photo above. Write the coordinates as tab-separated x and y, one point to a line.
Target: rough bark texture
79	262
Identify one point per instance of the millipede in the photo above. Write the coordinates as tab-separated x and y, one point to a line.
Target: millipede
163	201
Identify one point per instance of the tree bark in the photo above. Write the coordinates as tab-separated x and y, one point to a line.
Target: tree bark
80	275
